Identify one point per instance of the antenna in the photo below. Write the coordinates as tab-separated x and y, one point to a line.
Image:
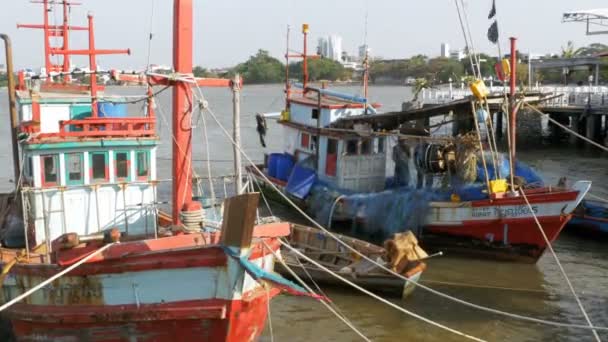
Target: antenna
365	59
287	85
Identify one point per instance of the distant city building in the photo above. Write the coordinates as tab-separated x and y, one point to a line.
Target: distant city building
445	50
457	54
330	47
363	51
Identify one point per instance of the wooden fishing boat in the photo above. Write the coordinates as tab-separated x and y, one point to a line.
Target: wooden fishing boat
325	250
336	151
89	181
591	217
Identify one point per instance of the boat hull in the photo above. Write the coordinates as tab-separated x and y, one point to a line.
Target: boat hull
385	283
171	289
501	228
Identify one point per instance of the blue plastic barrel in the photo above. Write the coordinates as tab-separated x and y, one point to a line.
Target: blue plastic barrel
284	166
111	110
273	161
301	181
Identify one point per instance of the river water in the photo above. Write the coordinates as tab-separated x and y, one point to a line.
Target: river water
533	290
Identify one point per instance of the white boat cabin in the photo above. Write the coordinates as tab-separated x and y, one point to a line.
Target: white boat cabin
84	174
350	161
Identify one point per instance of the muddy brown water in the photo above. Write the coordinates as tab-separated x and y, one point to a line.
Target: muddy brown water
533	290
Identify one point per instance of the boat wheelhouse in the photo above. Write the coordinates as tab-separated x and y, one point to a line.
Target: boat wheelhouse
85	174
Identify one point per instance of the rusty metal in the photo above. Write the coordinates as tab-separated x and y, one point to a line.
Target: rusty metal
12	104
71	240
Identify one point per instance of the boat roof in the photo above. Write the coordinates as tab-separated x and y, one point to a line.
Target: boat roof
327	102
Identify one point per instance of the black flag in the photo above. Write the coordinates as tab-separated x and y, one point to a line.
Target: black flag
493	10
493	32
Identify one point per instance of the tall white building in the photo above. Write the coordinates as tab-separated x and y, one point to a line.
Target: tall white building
445	50
330	47
363	50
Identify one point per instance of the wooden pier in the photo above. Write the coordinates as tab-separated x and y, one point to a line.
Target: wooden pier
584	109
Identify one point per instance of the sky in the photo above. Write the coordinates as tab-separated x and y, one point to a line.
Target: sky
227	32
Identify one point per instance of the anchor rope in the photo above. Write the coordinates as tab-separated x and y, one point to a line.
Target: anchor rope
309	289
383	267
373	295
55	277
559	264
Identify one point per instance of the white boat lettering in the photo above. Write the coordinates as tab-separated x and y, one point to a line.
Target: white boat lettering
516	211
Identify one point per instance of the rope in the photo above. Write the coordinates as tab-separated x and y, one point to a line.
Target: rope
559	264
490	287
206	142
296	277
335	275
331	211
349	247
604	148
483	157
597	197
151	34
53	278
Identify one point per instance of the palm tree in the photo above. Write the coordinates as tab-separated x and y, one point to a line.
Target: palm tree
569	51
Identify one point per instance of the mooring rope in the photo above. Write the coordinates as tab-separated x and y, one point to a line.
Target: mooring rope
55	277
346	245
309	289
559	264
375	296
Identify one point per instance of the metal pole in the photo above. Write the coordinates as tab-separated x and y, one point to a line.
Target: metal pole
236	132
12	104
512	85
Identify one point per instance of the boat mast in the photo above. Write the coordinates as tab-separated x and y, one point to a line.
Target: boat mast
513	116
12	103
287	86
50	31
305	59
182	111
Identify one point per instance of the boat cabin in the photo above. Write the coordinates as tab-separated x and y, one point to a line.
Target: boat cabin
350	161
84	172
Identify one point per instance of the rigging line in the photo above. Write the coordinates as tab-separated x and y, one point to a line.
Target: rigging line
309	289
151	34
166	124
429	289
464	33
206	142
373	295
559	264
466	20
255	181
547	116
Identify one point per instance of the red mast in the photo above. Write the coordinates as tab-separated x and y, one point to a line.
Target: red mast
54	31
304	57
182	109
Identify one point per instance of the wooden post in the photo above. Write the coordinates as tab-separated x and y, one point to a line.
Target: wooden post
236	132
513	107
239	220
12	106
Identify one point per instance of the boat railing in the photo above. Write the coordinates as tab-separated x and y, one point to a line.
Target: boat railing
100	127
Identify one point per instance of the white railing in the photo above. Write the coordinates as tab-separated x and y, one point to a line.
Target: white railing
559	96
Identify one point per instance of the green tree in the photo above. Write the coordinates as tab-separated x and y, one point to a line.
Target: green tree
199	71
320	69
261	68
570	51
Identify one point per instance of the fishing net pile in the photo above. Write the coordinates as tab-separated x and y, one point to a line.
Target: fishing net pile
376	215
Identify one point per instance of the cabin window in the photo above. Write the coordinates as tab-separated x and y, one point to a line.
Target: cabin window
366	146
27	168
331	157
143	164
122	165
305	140
315	113
381	143
99	167
50	167
351	147
74	168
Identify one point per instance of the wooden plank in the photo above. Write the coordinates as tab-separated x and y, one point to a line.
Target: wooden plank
239	219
